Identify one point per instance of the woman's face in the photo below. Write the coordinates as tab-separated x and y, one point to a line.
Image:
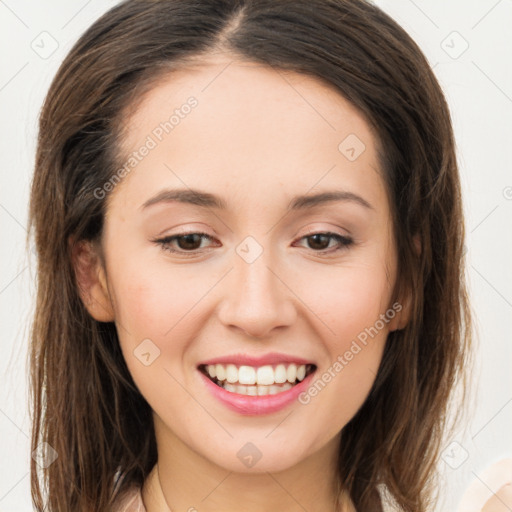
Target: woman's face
259	143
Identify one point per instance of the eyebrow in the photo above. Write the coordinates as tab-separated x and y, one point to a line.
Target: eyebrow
208	200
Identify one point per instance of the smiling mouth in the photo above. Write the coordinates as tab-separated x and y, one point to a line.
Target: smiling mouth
261	381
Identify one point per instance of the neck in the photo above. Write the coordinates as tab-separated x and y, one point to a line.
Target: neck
184	480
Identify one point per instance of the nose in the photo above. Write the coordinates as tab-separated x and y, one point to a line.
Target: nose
256	297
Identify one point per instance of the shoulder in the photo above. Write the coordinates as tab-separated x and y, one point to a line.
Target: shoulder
129	501
491	489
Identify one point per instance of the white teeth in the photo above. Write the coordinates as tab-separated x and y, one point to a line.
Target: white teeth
291	373
262	376
273	390
280	374
262	390
231	373
256	390
251	390
220	371
265	375
247	375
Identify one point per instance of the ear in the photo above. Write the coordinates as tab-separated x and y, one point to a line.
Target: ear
403	306
402	309
91	280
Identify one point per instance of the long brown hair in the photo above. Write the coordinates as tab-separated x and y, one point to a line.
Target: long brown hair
84	403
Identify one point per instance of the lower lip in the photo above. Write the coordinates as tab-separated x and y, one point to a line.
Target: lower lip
250	405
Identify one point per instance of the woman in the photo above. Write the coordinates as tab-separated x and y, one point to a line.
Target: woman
251	293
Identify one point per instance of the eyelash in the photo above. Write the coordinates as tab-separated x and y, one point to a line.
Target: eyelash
165	242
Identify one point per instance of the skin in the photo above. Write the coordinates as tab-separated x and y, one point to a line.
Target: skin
256	138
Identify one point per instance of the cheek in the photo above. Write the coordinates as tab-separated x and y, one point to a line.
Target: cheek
354	343
353	305
152	302
339	391
155	316
348	300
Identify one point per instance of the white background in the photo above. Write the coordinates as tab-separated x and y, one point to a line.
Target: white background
478	86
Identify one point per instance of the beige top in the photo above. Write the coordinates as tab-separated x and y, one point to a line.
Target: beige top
129	501
474	500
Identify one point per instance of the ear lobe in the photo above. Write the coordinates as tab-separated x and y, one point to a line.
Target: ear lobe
91	281
402	317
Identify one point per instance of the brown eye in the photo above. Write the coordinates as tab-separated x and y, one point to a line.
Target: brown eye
184	243
189	242
319	242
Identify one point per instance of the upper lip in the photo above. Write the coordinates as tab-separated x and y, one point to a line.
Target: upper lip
256	361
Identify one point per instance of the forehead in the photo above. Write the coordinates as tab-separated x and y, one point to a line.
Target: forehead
252	128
